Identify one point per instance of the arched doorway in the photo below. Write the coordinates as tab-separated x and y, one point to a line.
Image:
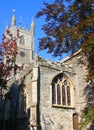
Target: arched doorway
75	121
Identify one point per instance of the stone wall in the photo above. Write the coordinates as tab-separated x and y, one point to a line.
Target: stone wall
52	118
38	79
78	63
57	118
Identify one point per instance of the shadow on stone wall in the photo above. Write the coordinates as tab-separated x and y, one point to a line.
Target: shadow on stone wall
87	118
10	118
38	103
89	92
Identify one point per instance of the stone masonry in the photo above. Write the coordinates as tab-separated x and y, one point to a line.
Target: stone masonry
32	88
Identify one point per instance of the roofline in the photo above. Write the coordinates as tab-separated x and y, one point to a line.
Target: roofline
71	56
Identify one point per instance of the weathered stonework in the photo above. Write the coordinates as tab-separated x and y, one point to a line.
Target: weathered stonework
31	90
53	118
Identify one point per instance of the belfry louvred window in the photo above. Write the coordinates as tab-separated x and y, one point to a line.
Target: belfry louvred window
61	91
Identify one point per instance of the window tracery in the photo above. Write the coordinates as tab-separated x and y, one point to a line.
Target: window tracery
62	91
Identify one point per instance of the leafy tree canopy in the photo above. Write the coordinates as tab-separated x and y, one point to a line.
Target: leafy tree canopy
68	28
8	66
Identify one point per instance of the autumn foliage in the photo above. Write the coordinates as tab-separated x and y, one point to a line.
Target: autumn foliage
8	52
69	26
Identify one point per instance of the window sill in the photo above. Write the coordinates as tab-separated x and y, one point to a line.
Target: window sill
59	106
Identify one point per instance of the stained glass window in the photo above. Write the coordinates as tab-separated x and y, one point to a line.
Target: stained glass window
63	95
53	94
58	95
68	96
61	91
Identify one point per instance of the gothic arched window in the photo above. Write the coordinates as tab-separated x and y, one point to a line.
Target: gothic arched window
62	91
68	95
54	94
63	95
22	102
58	94
22	40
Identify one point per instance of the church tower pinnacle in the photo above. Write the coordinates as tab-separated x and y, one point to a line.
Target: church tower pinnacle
6	26
32	27
32	31
13	19
25	41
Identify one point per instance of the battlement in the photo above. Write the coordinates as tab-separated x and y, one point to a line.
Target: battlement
56	65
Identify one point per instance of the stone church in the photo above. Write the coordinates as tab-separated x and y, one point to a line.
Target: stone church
46	95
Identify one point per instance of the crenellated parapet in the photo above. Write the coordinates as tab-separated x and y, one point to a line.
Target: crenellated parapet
22	73
64	67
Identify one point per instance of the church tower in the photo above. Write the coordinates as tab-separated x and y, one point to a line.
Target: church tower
25	41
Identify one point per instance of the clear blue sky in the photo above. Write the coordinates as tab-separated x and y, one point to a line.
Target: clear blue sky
25	9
